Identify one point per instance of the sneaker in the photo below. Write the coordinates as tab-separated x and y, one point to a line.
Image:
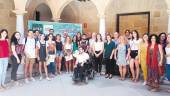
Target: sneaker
32	79
41	78
48	79
26	81
144	83
17	83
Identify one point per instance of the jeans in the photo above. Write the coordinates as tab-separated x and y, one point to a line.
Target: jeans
3	70
15	66
51	68
109	66
168	71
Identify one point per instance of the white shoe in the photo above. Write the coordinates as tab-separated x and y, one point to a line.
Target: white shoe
48	79
41	78
26	81
144	83
32	79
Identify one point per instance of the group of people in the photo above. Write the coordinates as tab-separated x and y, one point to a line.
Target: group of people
128	52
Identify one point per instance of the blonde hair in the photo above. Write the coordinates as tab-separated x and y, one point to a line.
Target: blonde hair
123	39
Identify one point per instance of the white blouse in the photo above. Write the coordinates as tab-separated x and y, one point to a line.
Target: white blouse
134	44
98	46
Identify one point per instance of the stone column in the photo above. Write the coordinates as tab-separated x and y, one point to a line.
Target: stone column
20	21
20	28
102	25
56	19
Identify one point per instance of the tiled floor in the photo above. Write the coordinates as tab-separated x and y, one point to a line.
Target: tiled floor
63	86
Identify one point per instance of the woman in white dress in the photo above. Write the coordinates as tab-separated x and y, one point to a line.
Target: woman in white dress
68	49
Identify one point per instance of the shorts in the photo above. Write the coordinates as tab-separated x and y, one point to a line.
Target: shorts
36	61
42	60
59	54
30	60
133	54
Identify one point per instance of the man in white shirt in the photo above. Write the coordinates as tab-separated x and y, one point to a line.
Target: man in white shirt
81	57
30	54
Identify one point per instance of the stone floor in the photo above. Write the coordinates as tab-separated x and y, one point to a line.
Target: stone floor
63	86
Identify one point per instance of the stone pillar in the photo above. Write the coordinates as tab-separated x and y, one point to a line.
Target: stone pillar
168	11
102	26
20	28
20	21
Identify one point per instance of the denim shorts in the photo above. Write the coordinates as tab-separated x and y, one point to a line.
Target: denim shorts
59	53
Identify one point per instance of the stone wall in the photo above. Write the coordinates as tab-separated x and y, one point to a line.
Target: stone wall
7	17
157	8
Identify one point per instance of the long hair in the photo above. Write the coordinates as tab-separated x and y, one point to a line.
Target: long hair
144	35
100	37
14	39
160	37
137	37
2	32
156	37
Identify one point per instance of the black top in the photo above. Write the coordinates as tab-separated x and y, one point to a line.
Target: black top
59	46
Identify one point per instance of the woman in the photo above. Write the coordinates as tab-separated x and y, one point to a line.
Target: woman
68	49
162	41
121	56
98	49
109	47
51	47
75	44
167	66
79	37
4	55
42	56
59	52
142	56
134	61
17	50
154	60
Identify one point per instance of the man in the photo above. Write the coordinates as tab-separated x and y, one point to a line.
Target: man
30	53
81	59
37	38
51	31
84	43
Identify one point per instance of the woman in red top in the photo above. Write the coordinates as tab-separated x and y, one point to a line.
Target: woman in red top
154	60
4	54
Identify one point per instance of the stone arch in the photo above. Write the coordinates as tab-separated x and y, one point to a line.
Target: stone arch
32	5
68	2
74	14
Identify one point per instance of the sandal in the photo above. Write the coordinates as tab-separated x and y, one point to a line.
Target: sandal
107	76
110	77
154	90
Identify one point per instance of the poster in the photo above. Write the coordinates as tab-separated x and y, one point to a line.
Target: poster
59	28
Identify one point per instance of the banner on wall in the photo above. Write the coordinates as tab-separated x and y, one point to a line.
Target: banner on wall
59	28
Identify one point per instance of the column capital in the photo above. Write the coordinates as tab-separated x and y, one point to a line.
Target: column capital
19	12
101	15
56	19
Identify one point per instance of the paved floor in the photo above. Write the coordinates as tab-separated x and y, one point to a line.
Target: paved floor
63	86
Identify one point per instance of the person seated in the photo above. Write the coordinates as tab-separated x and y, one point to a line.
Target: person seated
81	58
